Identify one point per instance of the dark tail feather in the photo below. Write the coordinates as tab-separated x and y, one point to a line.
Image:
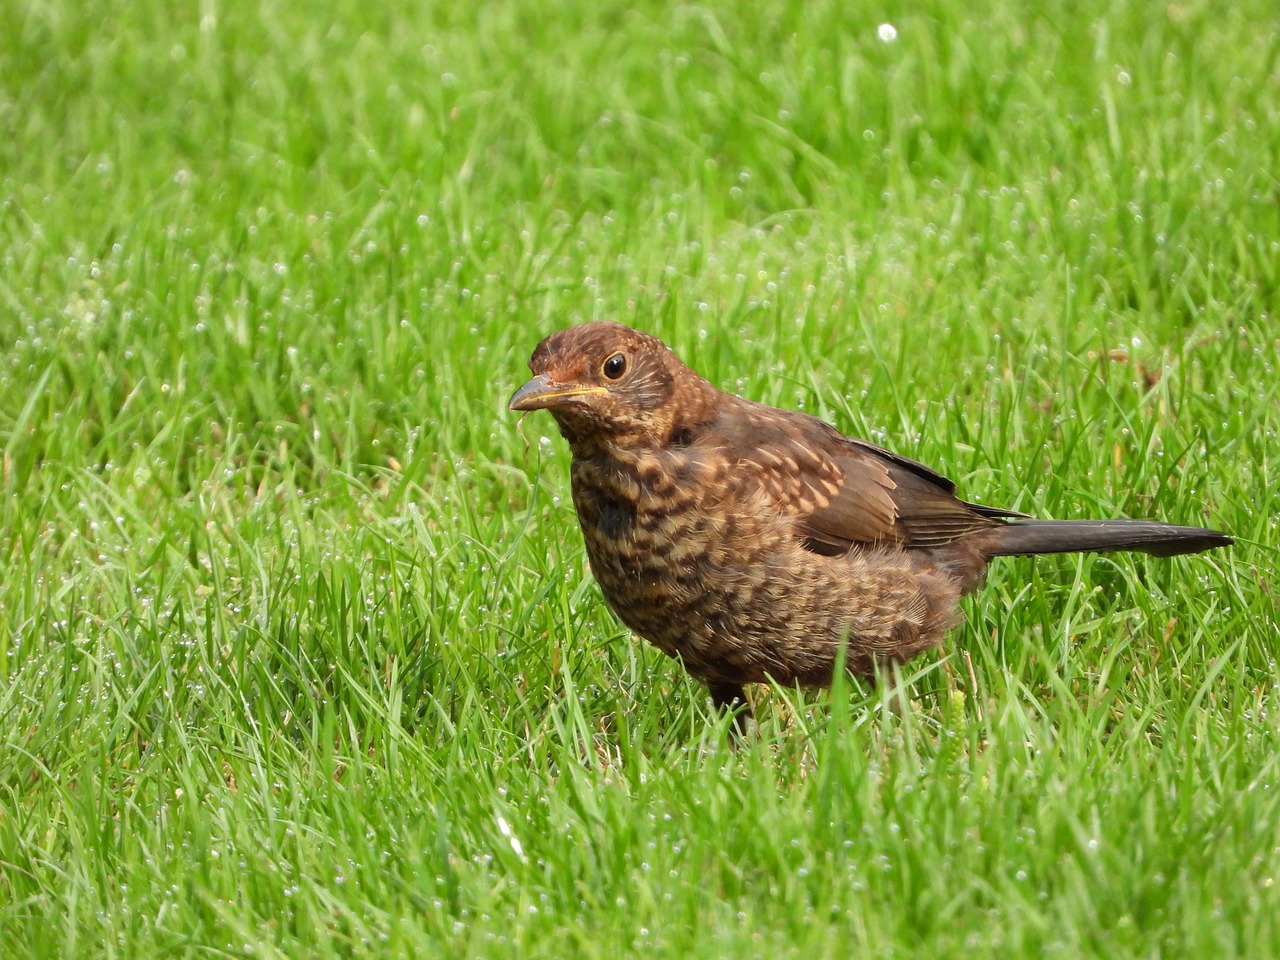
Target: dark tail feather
1018	538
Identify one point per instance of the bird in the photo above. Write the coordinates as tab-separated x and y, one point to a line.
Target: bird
756	544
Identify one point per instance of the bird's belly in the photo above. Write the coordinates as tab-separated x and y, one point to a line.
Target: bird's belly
709	588
687	584
736	597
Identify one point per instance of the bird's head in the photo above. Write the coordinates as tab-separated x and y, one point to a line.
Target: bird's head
609	385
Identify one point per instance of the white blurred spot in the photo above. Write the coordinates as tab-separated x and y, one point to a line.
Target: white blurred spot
505	829
887	32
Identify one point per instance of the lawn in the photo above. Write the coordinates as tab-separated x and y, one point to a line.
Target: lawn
299	653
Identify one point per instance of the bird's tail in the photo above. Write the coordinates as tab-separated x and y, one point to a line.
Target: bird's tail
1019	538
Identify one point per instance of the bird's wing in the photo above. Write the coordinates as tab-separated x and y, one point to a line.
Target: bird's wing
843	492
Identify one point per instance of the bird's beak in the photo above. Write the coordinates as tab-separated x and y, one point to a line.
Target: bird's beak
542	391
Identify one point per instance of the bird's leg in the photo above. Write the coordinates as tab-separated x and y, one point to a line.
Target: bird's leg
731	698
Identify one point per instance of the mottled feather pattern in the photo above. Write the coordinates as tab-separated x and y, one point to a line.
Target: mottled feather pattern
678	566
750	542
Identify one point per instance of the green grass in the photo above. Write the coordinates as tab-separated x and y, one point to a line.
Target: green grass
299	655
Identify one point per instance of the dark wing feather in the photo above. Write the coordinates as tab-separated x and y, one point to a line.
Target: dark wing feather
844	492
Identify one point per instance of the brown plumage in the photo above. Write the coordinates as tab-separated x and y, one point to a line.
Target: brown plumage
747	541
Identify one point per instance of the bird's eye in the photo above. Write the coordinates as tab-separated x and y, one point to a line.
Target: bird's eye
614	367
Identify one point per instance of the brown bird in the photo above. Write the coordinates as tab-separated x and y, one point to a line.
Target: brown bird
748	541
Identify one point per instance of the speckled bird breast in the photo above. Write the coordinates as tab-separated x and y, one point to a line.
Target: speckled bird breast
699	561
699	580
